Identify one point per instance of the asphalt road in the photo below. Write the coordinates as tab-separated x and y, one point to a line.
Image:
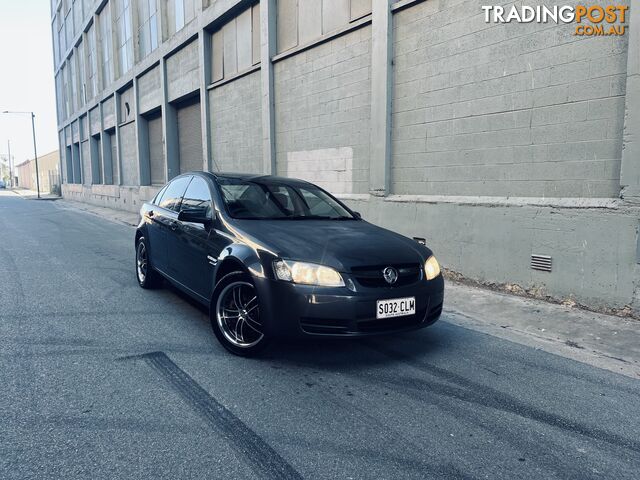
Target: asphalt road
101	379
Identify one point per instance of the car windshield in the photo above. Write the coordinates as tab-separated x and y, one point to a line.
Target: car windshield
273	200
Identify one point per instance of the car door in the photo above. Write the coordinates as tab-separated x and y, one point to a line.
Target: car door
195	249
156	235
165	217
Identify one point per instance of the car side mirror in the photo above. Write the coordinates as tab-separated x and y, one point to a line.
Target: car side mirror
194	216
357	215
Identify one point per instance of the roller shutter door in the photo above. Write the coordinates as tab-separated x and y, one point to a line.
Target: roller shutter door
190	136
156	151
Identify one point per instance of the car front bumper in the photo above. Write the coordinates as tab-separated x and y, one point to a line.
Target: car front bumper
289	310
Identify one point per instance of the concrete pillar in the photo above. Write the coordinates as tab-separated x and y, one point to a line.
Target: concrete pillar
381	83
268	37
107	161
86	173
62	148
142	140
80	153
169	127
630	167
99	59
204	51
116	99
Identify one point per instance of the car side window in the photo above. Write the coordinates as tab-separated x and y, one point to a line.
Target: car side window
158	197
197	198
173	194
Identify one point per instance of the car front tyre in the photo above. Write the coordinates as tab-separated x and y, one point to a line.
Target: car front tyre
235	315
145	274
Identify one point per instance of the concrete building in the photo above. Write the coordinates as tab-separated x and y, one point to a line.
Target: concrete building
502	144
48	169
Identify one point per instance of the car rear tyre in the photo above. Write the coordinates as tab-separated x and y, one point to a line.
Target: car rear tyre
235	315
146	275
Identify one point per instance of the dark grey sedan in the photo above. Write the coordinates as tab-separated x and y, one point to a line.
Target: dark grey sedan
276	257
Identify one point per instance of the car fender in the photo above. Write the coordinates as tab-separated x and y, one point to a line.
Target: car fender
242	254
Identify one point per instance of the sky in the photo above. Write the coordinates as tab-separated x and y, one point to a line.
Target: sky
26	77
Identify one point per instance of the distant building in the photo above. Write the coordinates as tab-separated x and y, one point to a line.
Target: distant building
48	168
500	143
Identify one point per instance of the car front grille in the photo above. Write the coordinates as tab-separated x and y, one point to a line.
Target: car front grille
372	277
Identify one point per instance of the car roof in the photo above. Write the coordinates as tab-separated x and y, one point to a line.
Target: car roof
253	177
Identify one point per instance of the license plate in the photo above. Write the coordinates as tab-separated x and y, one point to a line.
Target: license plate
396	307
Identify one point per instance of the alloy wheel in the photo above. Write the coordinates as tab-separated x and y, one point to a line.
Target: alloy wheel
238	314
141	262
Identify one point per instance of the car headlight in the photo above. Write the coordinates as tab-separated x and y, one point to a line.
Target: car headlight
431	268
307	273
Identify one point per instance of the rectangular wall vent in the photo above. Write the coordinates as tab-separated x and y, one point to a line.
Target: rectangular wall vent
541	262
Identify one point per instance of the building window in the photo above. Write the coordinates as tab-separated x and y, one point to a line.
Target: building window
124	35
92	63
56	45
301	22
105	42
236	46
181	12
82	74
86	6
60	97
77	15
73	104
68	23
148	30
65	91
62	45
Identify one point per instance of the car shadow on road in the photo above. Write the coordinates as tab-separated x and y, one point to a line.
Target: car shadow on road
340	353
352	354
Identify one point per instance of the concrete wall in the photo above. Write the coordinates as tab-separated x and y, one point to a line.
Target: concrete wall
515	110
183	69
150	95
322	113
109	113
492	243
236	133
110	196
492	141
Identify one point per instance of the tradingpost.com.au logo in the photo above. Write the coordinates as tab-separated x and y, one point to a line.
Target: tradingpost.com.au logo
590	20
